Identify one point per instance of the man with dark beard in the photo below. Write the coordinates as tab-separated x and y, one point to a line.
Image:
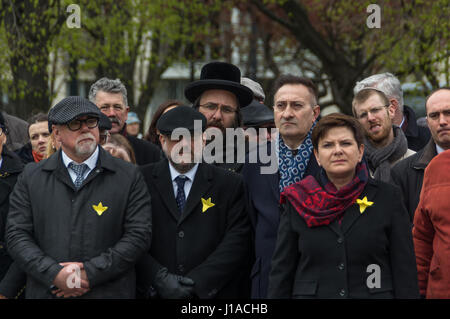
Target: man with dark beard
219	96
79	220
201	230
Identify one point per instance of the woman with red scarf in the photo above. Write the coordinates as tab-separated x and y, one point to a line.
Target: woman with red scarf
342	234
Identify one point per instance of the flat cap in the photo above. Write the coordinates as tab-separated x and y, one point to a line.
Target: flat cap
256	88
180	117
71	108
104	123
133	118
256	114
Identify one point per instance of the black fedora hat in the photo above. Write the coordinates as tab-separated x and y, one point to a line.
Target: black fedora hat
219	76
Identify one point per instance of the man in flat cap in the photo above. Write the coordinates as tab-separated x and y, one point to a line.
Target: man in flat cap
201	232
110	96
219	96
79	220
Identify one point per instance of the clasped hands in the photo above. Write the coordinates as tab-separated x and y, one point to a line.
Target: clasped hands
71	281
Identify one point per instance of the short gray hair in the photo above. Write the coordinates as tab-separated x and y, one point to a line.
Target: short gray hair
385	82
108	86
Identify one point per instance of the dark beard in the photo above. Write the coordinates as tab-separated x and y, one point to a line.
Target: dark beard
182	168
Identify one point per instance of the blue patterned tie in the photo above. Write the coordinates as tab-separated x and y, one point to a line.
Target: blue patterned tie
79	170
181	197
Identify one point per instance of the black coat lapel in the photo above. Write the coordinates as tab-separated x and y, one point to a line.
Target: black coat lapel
163	183
202	182
353	212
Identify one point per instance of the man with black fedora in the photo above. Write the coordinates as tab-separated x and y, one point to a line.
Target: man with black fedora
201	231
219	95
79	220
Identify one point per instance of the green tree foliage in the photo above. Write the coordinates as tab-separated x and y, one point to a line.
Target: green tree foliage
29	28
413	41
134	40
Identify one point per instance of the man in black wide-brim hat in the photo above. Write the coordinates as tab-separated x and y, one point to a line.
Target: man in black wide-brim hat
219	96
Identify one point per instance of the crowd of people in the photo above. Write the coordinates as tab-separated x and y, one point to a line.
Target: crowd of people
356	208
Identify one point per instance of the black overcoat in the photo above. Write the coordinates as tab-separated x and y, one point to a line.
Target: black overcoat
49	222
210	246
337	260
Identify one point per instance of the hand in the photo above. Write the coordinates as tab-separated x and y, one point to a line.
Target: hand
170	286
65	280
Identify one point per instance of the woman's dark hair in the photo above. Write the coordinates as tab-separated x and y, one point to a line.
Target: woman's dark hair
337	120
151	134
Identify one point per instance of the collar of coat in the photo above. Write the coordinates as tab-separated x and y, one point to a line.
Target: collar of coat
427	154
105	161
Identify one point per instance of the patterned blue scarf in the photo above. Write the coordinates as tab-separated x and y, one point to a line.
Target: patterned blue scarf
292	168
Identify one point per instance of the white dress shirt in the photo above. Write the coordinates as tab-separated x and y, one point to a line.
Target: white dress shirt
90	162
190	179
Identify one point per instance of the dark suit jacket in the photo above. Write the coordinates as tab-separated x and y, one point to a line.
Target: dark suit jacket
144	151
332	261
264	197
209	247
417	136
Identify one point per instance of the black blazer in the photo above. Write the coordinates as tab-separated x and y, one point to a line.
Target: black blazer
332	261
210	247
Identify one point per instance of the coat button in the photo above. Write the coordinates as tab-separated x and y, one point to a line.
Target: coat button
341	266
340	240
181	234
342	293
180	268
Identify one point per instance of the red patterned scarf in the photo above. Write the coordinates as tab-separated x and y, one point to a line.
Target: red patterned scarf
319	205
37	157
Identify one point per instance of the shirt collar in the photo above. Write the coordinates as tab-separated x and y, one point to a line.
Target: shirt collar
90	162
439	149
403	121
190	174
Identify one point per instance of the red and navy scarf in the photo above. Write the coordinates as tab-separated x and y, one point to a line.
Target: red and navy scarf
319	205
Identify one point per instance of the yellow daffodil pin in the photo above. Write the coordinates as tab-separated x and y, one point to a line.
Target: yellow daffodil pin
99	208
363	204
206	204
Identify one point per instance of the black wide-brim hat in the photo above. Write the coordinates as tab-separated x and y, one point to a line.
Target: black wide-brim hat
219	76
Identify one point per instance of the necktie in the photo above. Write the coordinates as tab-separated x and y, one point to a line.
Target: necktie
79	170
181	197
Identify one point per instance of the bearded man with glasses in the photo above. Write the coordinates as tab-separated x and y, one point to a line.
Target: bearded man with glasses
385	143
96	222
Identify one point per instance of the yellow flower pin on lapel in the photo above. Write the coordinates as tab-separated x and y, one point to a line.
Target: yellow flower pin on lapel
363	204
99	208
206	204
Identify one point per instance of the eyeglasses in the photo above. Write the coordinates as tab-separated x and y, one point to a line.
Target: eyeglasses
374	111
75	125
213	107
104	137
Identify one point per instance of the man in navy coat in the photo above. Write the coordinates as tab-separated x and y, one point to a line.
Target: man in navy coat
295	113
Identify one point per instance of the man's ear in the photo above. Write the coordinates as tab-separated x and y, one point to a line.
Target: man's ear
391	111
161	139
316	111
